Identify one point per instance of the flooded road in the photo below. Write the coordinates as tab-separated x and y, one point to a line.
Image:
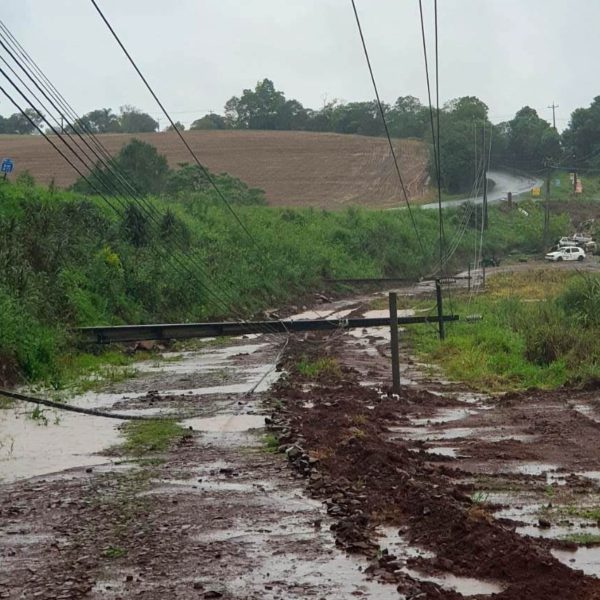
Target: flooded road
221	514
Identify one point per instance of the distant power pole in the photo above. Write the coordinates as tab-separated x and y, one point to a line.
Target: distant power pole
553	107
484	212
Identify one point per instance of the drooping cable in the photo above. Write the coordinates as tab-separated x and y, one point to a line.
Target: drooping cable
386	128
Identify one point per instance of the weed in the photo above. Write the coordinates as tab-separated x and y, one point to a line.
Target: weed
114	552
271	443
318	368
583	539
479	497
38	415
143	437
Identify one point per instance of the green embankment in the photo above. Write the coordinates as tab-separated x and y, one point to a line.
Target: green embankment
67	260
538	329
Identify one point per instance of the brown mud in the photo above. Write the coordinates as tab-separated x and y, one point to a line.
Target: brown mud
355	448
440	493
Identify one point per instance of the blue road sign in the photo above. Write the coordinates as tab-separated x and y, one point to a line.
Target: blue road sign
6	166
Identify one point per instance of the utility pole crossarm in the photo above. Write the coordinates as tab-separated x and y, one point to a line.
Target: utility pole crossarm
553	107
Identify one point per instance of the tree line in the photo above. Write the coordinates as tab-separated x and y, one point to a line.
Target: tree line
467	136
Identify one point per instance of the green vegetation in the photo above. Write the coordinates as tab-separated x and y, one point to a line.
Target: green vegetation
67	259
539	329
114	552
271	443
582	539
143	437
313	369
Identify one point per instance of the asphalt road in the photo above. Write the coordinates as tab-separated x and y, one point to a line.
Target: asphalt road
504	183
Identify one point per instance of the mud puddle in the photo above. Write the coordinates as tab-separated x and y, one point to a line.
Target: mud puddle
54	441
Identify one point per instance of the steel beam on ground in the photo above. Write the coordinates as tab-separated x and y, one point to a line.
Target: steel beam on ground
179	331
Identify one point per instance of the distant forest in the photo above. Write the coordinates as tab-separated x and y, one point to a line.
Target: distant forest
467	137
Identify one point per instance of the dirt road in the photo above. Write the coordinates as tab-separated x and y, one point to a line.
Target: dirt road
441	493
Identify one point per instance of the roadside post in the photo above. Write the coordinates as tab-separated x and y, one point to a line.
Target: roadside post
394	343
440	312
469	278
6	167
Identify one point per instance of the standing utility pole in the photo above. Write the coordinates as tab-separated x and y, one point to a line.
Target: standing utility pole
547	211
394	343
485	168
553	107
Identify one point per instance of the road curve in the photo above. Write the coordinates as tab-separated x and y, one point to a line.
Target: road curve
504	183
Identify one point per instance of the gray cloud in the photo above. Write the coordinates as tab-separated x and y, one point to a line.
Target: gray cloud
198	53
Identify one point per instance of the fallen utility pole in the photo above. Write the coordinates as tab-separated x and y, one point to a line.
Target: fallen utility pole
393	304
180	331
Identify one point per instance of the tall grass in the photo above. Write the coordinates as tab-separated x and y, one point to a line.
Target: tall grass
67	260
520	343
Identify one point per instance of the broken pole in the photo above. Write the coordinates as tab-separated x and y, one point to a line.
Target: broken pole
440	312
394	343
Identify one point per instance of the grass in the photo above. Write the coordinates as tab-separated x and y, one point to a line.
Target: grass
539	329
109	272
582	539
114	552
314	369
144	437
271	443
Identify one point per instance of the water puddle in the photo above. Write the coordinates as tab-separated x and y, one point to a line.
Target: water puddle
443	451
199	362
533	468
226	423
445	415
587	411
585	559
30	448
385	313
462	585
396	544
489	434
310	315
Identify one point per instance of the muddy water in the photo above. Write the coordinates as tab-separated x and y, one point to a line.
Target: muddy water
61	440
30	447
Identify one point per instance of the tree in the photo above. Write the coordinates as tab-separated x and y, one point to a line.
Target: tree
408	118
531	140
210	121
20	124
102	120
133	120
358	117
582	136
141	164
178	125
264	108
467	108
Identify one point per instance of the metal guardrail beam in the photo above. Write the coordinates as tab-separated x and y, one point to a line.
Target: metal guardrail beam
179	331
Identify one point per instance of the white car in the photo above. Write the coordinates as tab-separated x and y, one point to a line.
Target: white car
566	241
582	239
566	253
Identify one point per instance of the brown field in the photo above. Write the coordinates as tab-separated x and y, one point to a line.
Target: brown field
294	168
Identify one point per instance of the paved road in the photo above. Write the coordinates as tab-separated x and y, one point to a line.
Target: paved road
505	182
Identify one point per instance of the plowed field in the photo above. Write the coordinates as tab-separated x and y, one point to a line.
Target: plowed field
294	168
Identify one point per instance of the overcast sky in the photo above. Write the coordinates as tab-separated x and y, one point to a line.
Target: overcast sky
199	53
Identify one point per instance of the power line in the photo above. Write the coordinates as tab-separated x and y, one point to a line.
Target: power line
84	177
103	177
435	132
181	137
387	131
205	171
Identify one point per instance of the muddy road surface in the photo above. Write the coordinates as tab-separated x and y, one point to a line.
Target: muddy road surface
298	475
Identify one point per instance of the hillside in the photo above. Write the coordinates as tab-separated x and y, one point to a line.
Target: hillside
323	170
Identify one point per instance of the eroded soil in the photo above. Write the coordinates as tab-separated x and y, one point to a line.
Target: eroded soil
440	493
